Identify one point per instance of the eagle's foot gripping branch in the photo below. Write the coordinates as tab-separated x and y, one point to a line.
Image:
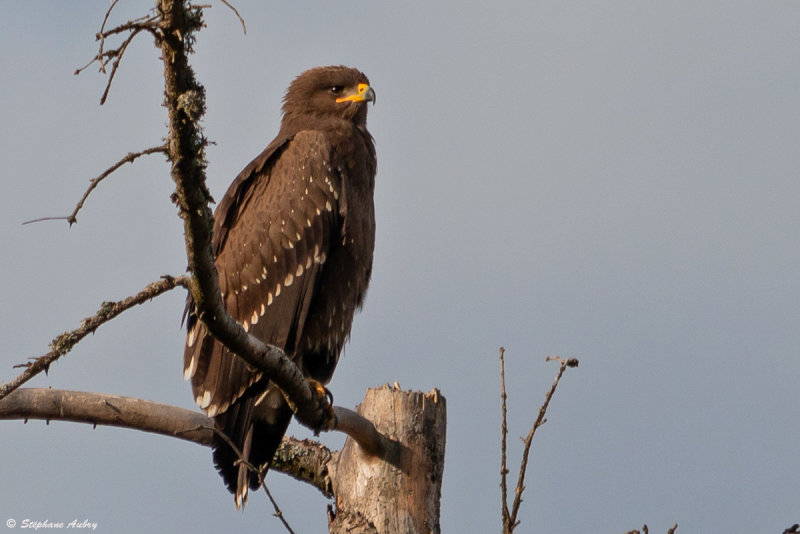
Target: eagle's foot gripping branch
323	418
324	400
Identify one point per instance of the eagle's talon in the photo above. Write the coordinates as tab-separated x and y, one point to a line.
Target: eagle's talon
324	399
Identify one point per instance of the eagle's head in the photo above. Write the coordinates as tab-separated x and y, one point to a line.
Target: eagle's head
335	92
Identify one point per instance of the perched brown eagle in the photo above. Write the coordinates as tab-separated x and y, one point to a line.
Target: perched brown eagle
293	239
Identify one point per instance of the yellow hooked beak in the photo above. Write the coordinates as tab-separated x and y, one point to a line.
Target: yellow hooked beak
364	93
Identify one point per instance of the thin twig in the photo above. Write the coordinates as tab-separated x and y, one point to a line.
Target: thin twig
512	523
144	23
278	513
129	158
259	472
504	435
102	39
244	30
103	57
117	58
62	344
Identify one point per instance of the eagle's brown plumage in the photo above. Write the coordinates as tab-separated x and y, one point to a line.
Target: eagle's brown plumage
293	239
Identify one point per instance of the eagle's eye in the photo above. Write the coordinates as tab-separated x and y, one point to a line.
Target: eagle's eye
336	89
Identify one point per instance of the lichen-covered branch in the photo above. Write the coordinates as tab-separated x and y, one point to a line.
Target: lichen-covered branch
62	344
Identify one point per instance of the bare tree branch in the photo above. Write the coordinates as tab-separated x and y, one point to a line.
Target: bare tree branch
278	513
510	522
244	29
72	218
504	435
372	442
146	23
302	459
108	310
109	410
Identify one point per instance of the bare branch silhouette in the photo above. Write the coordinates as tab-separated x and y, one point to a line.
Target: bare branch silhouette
148	23
230	6
510	521
503	438
278	513
108	410
72	218
62	344
302	459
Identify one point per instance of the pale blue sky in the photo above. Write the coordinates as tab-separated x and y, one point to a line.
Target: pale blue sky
613	181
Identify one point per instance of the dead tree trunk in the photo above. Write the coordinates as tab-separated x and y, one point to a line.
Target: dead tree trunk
400	495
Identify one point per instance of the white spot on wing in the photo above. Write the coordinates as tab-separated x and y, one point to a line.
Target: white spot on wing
289	280
299	271
245	326
269	298
254	318
278	290
190	369
204	400
190	339
263	309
